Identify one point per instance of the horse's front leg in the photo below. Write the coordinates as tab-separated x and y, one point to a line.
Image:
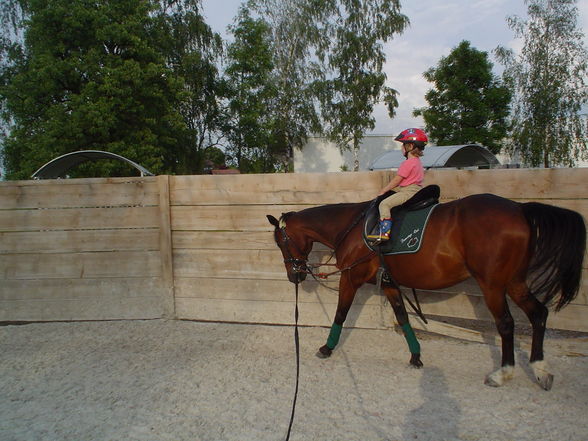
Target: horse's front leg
395	299
347	290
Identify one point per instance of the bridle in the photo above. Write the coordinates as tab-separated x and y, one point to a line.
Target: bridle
299	265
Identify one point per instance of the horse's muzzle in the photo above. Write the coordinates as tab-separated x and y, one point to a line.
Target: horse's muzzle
296	277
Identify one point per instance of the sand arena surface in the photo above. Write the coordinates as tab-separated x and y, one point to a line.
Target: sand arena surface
174	380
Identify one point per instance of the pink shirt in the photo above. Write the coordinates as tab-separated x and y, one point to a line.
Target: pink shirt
411	171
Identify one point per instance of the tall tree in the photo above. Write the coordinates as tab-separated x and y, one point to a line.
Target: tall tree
100	75
355	82
329	57
468	103
192	51
251	93
295	35
550	79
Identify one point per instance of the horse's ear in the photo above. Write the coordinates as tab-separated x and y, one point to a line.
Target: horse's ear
272	220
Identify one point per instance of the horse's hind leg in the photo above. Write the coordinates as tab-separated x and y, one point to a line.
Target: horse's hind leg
537	314
496	301
395	299
347	290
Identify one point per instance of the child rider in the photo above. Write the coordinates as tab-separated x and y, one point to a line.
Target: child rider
407	181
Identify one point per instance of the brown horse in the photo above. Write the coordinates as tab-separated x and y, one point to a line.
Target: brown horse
531	251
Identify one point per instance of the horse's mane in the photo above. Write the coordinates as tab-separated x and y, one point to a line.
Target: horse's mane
321	209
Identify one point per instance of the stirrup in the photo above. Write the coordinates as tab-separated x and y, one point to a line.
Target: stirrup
376	237
384	227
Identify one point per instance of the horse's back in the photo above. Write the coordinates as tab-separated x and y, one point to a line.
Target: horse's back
489	213
493	231
463	238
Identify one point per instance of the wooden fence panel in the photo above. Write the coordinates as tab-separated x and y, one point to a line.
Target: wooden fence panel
227	267
97	218
65	193
80	299
200	247
535	184
78	241
301	189
80	249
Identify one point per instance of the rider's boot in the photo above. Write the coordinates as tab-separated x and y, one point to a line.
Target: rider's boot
384	231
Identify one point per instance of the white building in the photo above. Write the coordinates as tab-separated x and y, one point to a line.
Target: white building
381	152
320	155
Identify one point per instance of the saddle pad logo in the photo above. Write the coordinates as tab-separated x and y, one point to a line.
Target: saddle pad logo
412	239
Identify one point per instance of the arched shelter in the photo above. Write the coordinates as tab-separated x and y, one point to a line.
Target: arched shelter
57	167
451	156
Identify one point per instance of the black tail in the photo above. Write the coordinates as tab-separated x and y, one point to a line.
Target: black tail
559	243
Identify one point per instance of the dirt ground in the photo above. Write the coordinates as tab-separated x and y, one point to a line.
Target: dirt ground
176	380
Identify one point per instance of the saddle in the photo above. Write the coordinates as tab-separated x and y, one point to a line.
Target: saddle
415	212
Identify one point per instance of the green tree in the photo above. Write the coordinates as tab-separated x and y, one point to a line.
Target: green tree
549	78
354	81
102	75
251	93
328	63
294	35
192	51
468	103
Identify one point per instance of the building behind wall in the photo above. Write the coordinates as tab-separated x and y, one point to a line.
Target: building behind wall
320	155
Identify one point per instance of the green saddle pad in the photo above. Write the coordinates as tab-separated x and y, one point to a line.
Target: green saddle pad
407	237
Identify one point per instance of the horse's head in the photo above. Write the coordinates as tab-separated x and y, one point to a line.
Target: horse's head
294	247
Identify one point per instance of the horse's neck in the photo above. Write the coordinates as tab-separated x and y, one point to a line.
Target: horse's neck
328	224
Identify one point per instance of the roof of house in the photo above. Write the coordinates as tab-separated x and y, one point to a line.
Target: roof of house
451	156
57	167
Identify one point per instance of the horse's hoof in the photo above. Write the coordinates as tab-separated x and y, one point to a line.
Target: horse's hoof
544	378
489	381
546	382
497	378
415	361
324	352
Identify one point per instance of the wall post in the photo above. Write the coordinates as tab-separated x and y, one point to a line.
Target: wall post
165	247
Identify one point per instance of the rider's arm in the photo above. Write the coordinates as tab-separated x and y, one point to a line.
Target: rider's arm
395	182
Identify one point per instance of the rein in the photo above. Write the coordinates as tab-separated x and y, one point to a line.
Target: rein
318	277
302	266
297	344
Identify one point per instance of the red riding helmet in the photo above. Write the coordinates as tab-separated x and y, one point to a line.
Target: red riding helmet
413	136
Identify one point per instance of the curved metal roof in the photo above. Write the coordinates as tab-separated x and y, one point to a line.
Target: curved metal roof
57	167
451	156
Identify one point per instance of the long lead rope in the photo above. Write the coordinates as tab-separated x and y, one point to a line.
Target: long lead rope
297	344
296	334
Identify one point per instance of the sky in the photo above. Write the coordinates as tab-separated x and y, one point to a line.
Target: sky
436	28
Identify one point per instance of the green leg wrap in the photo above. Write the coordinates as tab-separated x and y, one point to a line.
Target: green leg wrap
413	344
334	335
